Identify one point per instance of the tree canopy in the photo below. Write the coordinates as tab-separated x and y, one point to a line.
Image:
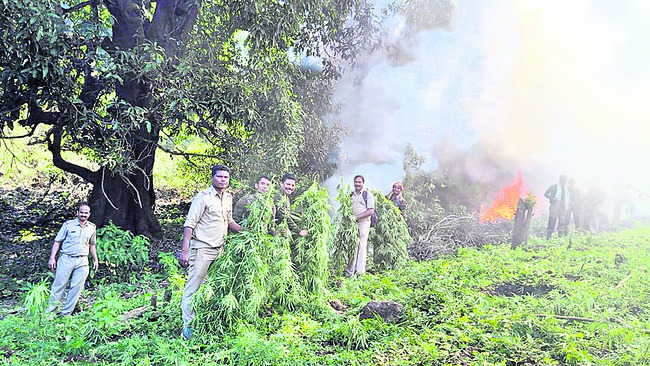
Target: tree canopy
115	80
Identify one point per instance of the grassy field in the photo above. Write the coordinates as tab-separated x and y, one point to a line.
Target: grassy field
579	302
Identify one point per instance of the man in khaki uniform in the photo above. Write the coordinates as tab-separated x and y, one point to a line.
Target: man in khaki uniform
241	208
76	238
204	230
363	206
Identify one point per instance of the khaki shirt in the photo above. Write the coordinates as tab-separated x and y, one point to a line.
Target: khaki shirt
76	239
359	205
208	217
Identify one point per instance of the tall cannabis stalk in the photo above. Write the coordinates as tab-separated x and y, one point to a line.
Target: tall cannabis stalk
309	253
390	235
236	285
346	232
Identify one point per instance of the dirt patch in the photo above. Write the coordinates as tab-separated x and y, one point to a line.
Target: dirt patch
518	289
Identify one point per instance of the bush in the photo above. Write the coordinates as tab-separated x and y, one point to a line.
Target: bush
121	251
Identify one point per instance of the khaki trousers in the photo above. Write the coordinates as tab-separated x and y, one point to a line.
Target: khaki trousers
200	261
67	267
357	263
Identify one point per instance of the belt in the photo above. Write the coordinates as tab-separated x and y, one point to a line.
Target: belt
74	256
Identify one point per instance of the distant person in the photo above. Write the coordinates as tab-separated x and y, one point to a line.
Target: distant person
575	208
287	186
626	197
396	197
207	224
242	209
560	200
363	206
76	239
593	202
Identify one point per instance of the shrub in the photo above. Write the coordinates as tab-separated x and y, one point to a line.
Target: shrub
120	251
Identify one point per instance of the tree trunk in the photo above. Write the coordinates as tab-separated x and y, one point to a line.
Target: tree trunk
522	223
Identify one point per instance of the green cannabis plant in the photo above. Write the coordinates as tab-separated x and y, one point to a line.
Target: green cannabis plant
240	281
37	298
309	253
390	236
119	250
346	233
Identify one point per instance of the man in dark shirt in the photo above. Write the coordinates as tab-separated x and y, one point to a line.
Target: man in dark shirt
560	199
242	209
283	204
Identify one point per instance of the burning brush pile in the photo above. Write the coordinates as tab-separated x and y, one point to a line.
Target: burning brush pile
441	230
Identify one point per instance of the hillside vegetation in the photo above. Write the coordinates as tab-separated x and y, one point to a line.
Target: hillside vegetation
559	302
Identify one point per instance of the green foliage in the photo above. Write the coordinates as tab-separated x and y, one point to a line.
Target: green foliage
309	253
390	235
37	298
121	251
346	233
454	313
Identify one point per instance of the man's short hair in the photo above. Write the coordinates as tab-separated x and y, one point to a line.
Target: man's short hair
359	176
219	167
83	203
263	176
288	176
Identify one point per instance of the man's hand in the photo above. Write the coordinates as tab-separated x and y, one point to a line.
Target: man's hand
51	264
95	265
184	259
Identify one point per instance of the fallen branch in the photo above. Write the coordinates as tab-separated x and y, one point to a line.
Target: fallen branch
622	282
590	320
564	317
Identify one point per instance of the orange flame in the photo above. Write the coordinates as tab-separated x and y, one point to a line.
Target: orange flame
505	205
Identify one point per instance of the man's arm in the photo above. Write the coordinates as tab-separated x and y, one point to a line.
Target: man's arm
364	214
232	225
93	251
184	259
550	192
51	264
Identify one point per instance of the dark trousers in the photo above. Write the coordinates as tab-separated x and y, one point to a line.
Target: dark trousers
556	214
575	211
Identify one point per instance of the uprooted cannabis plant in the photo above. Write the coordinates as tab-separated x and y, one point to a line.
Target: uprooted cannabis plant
309	253
346	234
390	236
263	273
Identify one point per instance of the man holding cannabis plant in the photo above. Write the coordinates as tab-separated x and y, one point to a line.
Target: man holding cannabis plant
363	207
283	204
242	209
207	224
76	239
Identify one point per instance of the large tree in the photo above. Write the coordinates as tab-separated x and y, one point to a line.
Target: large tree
116	79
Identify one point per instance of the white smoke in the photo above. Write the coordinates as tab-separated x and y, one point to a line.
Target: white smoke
555	87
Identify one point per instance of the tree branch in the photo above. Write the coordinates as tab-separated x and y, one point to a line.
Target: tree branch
28	134
77	7
54	146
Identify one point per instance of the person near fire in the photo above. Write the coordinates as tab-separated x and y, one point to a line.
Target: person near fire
396	197
242	209
575	208
363	206
77	238
594	217
283	209
207	223
560	200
